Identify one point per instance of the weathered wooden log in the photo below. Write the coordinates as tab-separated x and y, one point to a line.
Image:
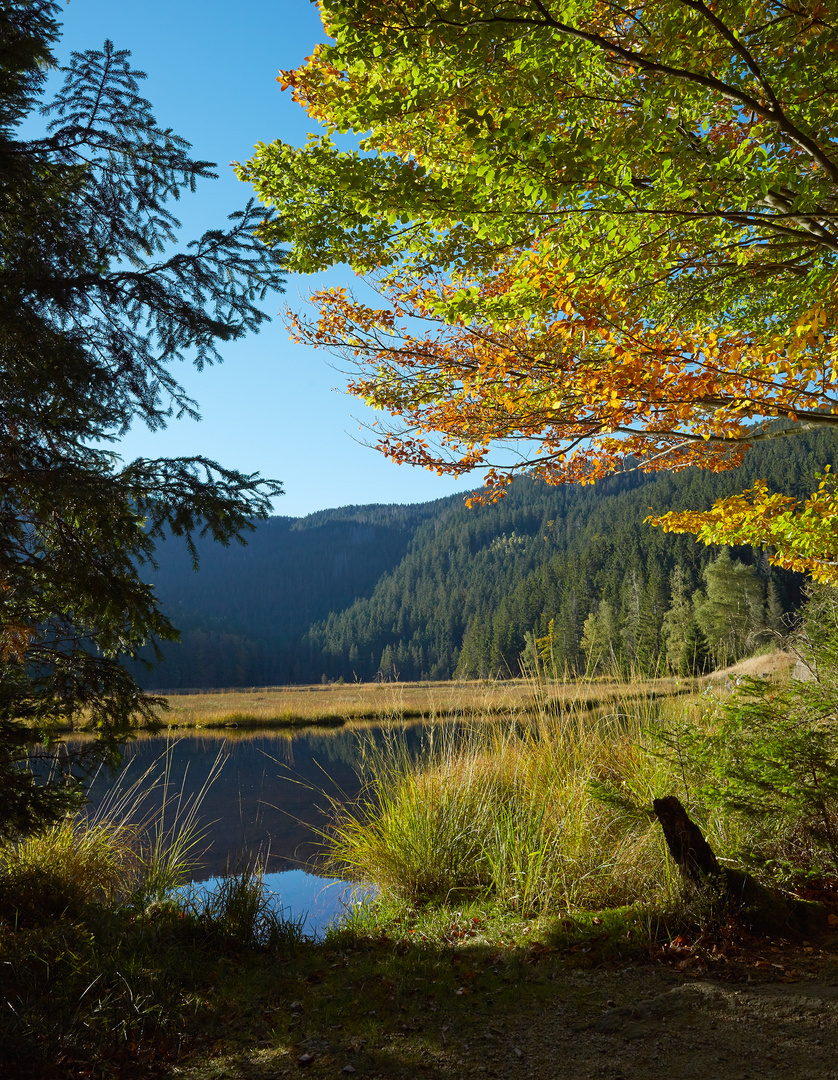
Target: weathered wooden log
765	910
686	842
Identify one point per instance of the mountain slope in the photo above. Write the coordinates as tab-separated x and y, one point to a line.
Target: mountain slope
432	590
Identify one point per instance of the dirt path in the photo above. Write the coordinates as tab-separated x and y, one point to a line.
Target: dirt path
652	1024
773	1015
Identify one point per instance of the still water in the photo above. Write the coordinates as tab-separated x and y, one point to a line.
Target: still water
317	901
270	796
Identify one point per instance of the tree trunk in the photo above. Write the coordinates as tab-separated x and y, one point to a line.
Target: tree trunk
686	842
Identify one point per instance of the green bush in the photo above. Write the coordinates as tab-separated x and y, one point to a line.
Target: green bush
771	757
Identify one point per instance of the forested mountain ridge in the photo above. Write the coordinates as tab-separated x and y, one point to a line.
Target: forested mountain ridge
243	615
437	589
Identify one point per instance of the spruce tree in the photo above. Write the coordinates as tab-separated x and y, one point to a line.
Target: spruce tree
678	620
732	610
97	301
601	641
695	658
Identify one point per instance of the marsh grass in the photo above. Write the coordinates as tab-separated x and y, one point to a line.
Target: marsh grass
121	854
365	703
64	870
547	810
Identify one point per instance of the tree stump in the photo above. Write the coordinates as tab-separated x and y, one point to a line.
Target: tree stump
686	842
763	910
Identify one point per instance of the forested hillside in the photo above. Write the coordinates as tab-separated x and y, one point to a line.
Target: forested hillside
243	615
438	590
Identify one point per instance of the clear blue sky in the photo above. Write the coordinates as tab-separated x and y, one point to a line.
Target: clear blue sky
272	407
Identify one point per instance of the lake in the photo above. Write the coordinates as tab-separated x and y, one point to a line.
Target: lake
269	795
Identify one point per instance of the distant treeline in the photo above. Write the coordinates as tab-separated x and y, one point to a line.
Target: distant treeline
437	590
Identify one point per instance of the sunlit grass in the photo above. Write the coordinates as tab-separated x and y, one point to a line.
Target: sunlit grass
377	702
544	812
65	869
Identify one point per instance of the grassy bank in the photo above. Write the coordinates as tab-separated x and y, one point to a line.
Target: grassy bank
112	995
340	704
548	811
400	991
359	703
366	703
104	974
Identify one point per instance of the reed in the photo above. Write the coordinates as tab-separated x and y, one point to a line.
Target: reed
543	811
243	911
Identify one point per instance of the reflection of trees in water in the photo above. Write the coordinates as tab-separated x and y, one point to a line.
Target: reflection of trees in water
274	793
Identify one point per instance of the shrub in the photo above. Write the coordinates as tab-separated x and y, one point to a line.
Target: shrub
771	755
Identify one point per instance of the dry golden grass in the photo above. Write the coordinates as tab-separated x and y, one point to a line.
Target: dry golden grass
364	703
770	665
377	702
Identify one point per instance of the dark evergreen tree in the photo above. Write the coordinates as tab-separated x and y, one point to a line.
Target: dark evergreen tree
601	641
775	616
678	620
96	303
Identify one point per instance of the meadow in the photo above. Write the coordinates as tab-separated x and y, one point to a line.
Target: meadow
429	701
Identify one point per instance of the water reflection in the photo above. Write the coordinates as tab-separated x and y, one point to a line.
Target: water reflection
317	901
272	797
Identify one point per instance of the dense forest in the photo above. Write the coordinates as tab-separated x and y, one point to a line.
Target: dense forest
437	590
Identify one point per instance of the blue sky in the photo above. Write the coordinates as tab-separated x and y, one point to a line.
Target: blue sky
272	407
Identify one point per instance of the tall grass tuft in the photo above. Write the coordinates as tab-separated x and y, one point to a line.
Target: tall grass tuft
64	870
123	853
172	837
541	812
242	910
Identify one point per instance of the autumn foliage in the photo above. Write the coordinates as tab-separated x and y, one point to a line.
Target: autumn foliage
603	237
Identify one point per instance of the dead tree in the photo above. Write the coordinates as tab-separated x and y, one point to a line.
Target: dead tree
686	842
765	910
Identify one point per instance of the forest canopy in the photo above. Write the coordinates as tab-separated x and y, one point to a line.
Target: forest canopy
604	236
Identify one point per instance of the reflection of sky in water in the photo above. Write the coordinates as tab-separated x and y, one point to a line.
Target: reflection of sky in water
296	894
